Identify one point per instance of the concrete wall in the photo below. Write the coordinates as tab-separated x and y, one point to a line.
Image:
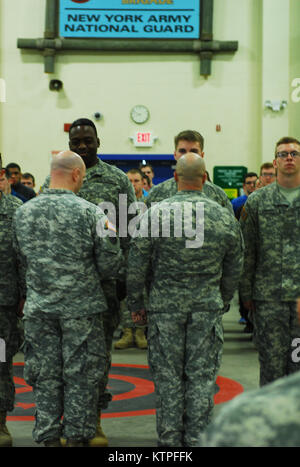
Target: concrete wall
178	97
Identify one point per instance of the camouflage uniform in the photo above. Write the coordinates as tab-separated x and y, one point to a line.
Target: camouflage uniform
188	290
126	321
271	277
104	183
9	298
57	237
169	188
265	417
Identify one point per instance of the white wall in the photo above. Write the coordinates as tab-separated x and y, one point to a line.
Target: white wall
170	85
294	107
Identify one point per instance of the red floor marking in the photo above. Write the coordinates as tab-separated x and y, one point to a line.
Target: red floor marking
228	389
132	413
142	387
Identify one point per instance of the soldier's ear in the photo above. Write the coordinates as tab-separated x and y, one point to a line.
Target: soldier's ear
75	174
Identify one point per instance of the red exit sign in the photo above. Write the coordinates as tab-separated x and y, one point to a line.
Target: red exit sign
143	138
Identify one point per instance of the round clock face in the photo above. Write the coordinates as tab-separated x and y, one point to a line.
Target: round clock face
139	114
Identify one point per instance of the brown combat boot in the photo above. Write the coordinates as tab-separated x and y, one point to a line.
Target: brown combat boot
126	340
140	339
5	436
74	443
100	440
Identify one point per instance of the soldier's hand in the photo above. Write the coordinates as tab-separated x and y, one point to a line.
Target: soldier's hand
249	305
139	317
20	307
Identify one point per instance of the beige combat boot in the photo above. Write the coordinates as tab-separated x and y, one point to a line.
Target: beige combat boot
74	443
126	339
5	436
100	440
140	338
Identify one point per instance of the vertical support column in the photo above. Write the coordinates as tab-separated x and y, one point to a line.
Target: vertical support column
206	34
275	73
206	20
50	33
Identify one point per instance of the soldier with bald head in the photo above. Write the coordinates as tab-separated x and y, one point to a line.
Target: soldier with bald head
104	185
65	253
188	251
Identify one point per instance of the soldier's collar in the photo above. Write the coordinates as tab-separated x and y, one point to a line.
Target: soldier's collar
57	191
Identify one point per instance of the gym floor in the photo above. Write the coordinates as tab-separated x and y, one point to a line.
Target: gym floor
130	419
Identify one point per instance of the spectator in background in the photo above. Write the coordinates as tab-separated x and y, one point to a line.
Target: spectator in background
248	187
148	170
188	141
270	284
132	334
147	183
136	178
15	175
27	179
6	188
258	184
267	174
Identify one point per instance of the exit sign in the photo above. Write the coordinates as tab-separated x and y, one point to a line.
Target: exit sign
143	139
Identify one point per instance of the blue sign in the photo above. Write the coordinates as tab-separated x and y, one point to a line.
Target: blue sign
130	19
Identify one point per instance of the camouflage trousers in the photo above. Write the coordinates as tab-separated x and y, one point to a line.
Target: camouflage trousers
111	320
64	362
184	355
11	335
275	328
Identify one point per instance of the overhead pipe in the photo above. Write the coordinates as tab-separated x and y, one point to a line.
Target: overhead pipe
129	45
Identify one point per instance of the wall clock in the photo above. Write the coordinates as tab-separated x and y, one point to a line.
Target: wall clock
139	114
